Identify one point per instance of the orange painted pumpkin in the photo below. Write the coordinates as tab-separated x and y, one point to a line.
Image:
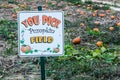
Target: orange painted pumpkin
25	48
76	40
99	43
56	50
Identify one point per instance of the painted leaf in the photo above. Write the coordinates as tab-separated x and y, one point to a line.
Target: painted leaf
21	41
48	48
35	50
22	31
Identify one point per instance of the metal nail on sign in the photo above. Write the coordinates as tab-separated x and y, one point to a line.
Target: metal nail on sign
40	33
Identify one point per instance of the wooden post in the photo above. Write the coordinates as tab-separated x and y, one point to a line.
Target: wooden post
42	59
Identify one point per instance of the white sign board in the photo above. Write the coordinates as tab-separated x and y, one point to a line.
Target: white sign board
40	33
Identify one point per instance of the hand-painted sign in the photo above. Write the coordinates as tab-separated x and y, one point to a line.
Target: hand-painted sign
40	33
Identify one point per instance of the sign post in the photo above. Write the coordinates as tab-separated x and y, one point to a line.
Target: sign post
40	34
42	59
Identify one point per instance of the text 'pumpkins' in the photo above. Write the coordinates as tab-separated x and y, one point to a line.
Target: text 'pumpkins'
76	40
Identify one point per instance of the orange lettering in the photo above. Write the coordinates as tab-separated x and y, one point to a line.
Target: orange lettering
36	20
24	23
49	20
57	23
30	21
53	22
44	19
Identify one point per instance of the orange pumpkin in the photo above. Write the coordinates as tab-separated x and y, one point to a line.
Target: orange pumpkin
118	24
96	29
111	28
14	15
78	5
94	14
108	11
82	24
112	17
78	10
97	22
25	48
96	11
102	15
76	40
99	43
88	8
81	13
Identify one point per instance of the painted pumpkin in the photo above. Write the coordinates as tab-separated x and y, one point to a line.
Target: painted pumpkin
56	50
76	40
99	43
25	48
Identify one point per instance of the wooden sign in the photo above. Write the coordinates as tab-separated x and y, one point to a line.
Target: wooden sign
40	33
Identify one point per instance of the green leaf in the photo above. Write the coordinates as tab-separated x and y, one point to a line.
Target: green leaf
103	49
35	50
21	41
96	54
58	45
78	58
97	50
27	52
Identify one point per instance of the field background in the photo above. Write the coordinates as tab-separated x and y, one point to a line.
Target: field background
90	20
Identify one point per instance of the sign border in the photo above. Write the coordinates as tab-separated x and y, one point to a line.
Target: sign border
46	55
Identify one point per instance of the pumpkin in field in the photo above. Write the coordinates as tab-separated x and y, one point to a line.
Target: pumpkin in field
25	48
96	11
96	29
78	10
112	17
99	43
76	40
118	24
111	28
82	24
97	22
81	13
14	15
108	11
94	14
102	15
